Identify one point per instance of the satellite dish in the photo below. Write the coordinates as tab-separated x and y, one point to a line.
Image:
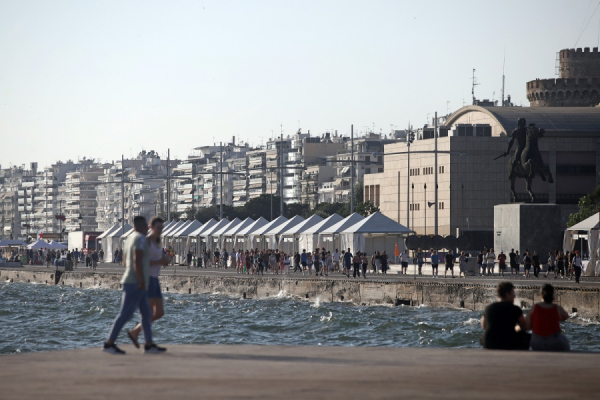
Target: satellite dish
412	242
437	242
425	242
463	243
450	242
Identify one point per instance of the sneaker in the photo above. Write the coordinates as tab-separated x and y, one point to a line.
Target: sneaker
112	349
154	349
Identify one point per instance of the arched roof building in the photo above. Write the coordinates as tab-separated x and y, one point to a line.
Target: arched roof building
471	177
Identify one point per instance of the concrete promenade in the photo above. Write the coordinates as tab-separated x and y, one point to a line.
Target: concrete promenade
587	282
277	372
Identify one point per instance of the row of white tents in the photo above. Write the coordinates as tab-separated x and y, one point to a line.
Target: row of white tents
588	230
355	232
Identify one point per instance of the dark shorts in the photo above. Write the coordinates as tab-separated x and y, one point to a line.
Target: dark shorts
434	266
449	267
154	289
304	263
550	267
502	266
527	267
404	264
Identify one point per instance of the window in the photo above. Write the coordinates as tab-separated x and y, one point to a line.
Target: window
367	170
441	205
414	207
441	169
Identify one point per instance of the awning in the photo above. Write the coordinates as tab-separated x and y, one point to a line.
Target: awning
255	186
345	169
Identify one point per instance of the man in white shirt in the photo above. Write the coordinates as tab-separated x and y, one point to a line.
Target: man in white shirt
336	261
404	261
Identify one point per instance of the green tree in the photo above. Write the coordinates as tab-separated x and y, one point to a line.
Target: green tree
174	215
293	209
360	206
588	206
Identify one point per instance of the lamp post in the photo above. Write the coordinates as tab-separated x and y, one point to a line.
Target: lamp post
352	169
413	204
425	191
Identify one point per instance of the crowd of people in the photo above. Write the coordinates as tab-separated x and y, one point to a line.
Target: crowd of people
319	262
56	258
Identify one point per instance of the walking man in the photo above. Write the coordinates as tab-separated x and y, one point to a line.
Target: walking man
135	283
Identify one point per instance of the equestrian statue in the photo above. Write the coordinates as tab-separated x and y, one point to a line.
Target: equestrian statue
526	161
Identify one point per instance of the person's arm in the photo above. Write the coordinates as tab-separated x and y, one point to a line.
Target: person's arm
528	320
562	313
483	324
138	256
522	323
510	144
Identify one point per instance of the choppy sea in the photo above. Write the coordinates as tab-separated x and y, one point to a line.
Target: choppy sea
40	318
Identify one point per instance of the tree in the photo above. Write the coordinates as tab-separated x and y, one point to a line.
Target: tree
174	215
588	206
360	206
293	209
261	207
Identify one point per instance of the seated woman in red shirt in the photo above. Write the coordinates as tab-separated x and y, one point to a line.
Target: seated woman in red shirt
544	322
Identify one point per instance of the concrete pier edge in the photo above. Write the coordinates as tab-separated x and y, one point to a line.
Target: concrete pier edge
585	301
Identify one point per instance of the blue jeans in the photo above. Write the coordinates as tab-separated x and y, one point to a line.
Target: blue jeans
133	298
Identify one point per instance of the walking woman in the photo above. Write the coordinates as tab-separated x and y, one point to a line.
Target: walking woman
544	321
356	261
157	259
384	262
560	264
577	266
365	263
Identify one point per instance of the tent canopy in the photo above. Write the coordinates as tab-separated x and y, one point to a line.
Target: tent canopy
181	228
187	230
40	244
279	229
377	223
325	224
271	225
344	224
253	227
587	224
216	227
108	231
239	227
303	226
236	221
171	228
208	225
58	246
119	231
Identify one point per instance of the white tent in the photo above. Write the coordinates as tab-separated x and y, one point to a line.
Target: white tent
209	240
171	227
180	240
374	233
330	238
309	239
288	238
218	234
111	241
272	235
246	235
587	229
229	237
194	240
260	232
170	239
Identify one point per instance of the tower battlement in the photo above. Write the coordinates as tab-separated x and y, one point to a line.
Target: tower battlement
578	85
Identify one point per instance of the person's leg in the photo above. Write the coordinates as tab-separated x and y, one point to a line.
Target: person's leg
129	303
146	312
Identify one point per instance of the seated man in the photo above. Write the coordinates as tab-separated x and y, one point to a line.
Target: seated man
500	321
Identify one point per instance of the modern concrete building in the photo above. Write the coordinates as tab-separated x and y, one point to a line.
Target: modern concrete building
471	182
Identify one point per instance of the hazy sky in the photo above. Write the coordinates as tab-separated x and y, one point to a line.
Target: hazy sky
105	78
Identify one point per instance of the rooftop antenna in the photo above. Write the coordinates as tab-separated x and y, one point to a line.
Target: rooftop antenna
447	107
503	64
473	87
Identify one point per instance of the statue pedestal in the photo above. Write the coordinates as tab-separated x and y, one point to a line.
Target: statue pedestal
521	226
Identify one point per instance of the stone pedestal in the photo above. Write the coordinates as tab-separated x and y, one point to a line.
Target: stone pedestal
521	226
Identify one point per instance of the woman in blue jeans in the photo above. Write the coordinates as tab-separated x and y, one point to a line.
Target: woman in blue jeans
157	259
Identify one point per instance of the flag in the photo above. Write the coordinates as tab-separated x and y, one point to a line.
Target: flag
396	251
40	234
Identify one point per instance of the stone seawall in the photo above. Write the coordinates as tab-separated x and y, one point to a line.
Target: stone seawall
473	296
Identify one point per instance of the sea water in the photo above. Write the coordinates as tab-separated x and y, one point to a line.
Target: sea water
40	317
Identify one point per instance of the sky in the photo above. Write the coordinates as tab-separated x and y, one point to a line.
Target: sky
99	79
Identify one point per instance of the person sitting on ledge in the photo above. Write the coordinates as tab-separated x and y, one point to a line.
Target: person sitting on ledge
503	323
544	322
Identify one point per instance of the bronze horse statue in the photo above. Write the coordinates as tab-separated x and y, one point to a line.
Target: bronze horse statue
527	161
